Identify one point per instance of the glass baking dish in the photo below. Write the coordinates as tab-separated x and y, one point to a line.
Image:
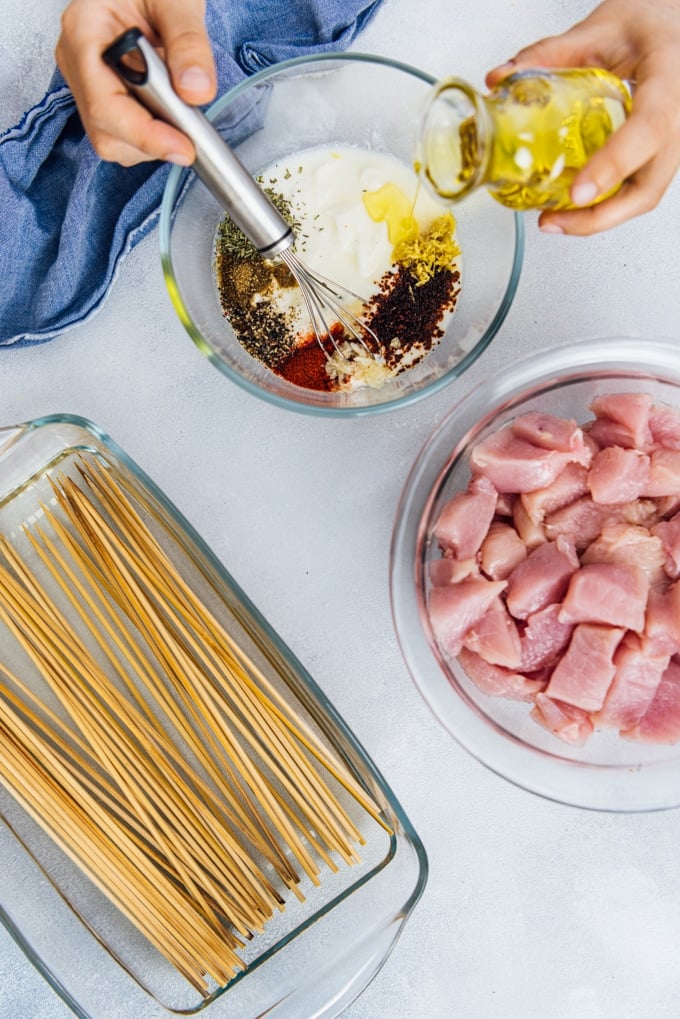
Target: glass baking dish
323	946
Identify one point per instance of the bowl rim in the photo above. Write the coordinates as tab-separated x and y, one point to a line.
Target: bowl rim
180	178
487	741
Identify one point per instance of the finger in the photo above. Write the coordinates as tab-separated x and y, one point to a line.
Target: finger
188	52
115	122
121	117
653	122
573	49
637	196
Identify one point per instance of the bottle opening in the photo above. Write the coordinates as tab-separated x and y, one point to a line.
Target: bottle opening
451	146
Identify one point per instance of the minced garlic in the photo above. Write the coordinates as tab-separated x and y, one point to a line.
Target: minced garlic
351	362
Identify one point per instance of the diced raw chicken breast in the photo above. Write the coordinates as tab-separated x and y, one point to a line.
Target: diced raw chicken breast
618	475
638	674
583	675
454	609
498	682
662	624
451	571
580	521
664	474
501	551
570	724
604	432
464	520
628	543
549	432
661	721
515	465
542	578
667	506
631	410
664	424
569	485
504	504
531	533
544	638
606	593
495	638
644	512
668	533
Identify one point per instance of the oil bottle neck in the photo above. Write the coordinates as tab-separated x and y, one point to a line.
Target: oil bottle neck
455	139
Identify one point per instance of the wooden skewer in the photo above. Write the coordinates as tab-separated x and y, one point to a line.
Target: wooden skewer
132	655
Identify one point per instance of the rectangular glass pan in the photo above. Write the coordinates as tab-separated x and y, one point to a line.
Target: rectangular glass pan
69	497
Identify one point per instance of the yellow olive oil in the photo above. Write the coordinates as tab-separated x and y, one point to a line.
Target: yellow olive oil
526	140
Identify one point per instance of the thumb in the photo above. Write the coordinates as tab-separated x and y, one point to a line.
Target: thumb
572	49
188	53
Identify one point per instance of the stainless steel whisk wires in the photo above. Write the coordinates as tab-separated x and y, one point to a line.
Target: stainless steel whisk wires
140	67
322	295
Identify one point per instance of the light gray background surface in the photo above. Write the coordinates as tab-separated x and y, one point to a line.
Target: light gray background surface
532	910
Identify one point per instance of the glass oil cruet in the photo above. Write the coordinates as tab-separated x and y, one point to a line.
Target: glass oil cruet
525	140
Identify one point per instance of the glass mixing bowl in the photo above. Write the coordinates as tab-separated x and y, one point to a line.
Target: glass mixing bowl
350	100
608	772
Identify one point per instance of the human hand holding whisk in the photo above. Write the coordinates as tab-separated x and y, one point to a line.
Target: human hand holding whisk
328	304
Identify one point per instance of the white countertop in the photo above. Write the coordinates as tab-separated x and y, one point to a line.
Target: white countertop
532	909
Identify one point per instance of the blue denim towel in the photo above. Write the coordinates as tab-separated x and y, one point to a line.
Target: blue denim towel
67	218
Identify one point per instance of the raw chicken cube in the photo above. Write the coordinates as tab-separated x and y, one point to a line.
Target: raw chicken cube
498	682
549	432
628	543
630	411
451	571
638	674
668	533
501	551
495	638
544	638
664	474
662	625
619	475
514	465
583	675
542	578
465	519
569	485
531	532
607	593
570	724
661	721
454	609
664	424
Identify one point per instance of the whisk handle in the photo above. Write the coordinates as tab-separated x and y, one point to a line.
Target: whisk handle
140	67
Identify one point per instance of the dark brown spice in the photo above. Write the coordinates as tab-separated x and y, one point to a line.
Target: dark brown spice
405	316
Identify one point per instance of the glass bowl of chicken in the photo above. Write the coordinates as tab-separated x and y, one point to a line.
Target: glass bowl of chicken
535	574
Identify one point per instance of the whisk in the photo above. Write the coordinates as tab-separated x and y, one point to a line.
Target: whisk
142	70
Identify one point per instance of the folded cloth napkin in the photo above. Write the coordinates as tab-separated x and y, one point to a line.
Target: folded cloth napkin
67	218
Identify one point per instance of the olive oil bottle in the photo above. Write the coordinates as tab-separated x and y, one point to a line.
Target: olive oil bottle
524	141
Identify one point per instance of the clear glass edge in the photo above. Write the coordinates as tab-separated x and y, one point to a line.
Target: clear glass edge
176	182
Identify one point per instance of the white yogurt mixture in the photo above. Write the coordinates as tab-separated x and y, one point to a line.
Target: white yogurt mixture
336	235
326	190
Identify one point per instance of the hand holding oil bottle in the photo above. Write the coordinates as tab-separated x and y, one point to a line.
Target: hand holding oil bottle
638	40
626	174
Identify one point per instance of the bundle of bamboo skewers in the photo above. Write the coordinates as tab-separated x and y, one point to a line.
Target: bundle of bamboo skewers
163	761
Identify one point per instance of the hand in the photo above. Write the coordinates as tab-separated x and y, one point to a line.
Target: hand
638	40
121	129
